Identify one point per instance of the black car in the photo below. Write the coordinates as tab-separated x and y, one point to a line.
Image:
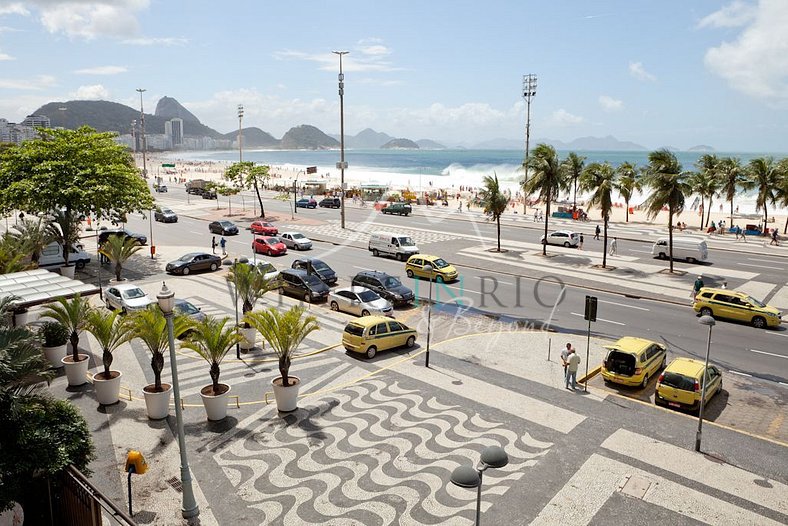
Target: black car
165	215
306	203
402	209
222	227
317	266
192	261
209	194
300	284
331	202
104	235
386	285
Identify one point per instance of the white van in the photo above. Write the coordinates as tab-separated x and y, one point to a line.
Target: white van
389	243
692	249
52	255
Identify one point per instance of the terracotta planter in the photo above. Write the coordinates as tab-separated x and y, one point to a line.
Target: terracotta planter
249	338
286	397
215	404
55	355
157	403
68	271
76	372
107	390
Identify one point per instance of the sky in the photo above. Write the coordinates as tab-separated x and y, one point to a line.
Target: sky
655	72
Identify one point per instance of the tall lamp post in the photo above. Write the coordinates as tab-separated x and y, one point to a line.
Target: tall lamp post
468	477
709	322
342	165
529	91
144	141
240	133
189	507
428	269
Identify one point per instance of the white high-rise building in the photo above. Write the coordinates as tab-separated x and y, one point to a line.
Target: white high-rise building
177	132
36	121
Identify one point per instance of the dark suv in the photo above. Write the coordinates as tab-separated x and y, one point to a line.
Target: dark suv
402	209
104	235
318	267
298	283
331	202
386	285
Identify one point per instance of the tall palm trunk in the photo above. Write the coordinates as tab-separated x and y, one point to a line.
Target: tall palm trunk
765	218
498	222
259	199
670	237
604	252
626	202
731	224
546	220
702	211
708	216
574	194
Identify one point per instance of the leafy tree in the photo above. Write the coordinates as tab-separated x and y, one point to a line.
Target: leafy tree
249	175
227	191
34	235
494	201
111	330
732	176
250	285
781	193
764	176
573	167
118	249
212	340
669	185
150	326
546	180
71	314
626	182
599	178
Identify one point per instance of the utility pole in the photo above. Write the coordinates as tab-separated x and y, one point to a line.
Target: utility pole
529	91
144	141
240	134
342	165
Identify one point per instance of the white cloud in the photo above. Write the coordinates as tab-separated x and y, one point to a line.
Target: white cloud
156	41
102	70
637	70
94	92
610	104
38	83
561	117
756	62
368	55
5	56
18	106
14	8
735	14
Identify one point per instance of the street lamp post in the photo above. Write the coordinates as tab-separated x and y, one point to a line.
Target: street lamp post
709	322
428	269
240	133
342	165
468	477
144	141
133	135
235	303
189	507
295	191
529	91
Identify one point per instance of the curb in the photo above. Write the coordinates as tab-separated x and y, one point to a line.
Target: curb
593	372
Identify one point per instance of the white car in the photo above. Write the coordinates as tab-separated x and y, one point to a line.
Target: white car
296	240
565	238
126	297
359	301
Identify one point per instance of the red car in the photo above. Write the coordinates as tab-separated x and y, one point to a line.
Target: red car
263	227
271	246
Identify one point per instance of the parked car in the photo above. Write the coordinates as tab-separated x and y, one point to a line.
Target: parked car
53	255
359	301
441	270
563	238
104	235
189	309
300	284
263	227
296	240
738	306
222	227
165	215
633	361
271	245
209	194
331	202
680	384
385	285
371	334
268	270
306	203
402	209
160	188
126	297
317	266
192	261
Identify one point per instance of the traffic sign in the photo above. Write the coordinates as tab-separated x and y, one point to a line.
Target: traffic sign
590	312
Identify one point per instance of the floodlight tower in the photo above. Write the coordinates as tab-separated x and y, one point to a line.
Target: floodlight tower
341	164
529	91
144	141
240	133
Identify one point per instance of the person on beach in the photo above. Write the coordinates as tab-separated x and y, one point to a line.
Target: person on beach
572	363
613	247
597	231
223	243
213	244
696	287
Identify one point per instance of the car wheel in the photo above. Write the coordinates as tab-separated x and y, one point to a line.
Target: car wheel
281	290
213	267
334	306
645	381
365	312
692	260
307	297
371	352
566	244
705	311
401	257
375	252
438	279
411	342
662	255
758	322
409	273
109	306
185	271
80	264
269	253
124	311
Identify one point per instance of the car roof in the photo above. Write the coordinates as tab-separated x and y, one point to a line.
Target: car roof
428	257
355	289
685	367
291	232
374	273
309	259
126	286
366	321
725	291
631	344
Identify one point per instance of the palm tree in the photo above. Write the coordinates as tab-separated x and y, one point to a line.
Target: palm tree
732	176
12	255
709	184
67	230
781	193
34	235
118	249
212	339
284	332
546	179
599	178
150	326
111	330
573	167
764	177
494	201
705	184
627	182
71	314
250	285
669	186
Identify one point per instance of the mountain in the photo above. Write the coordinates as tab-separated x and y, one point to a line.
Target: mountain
400	144
254	138
701	148
368	139
428	144
306	137
169	108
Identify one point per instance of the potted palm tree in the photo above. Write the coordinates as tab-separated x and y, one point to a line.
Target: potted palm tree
250	286
34	235
212	340
72	314
111	330
67	233
284	332
150	326
55	338
118	249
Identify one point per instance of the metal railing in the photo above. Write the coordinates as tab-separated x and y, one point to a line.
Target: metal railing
79	503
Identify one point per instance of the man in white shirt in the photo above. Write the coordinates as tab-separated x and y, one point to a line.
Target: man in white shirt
573	362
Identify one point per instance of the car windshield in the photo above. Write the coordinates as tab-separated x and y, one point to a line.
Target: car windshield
319	265
225	223
272	240
167	211
267	225
755	302
678	381
298	236
406	242
187	308
312	280
132	294
265	268
367	296
440	263
187	257
391	282
355	330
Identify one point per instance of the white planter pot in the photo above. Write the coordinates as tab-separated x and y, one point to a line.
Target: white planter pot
157	404
21	318
215	405
76	372
68	271
249	338
55	355
107	391
286	397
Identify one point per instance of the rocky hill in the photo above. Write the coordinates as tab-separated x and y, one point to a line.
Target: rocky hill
169	108
428	144
254	138
306	137
400	144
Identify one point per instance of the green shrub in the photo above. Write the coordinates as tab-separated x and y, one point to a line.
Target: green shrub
54	334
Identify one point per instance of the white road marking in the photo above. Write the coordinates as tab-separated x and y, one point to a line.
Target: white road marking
766	260
640	251
778	334
768	353
362	268
600	319
622	305
741	374
761	266
198	233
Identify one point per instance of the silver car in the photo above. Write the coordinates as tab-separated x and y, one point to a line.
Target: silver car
565	238
126	297
359	301
296	240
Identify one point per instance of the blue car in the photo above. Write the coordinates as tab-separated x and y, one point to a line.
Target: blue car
306	203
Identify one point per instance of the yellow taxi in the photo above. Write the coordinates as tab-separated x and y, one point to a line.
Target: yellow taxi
680	384
733	305
632	361
441	270
370	334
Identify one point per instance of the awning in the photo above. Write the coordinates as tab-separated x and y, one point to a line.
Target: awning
40	286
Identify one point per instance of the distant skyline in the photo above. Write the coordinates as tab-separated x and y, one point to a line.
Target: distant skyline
654	72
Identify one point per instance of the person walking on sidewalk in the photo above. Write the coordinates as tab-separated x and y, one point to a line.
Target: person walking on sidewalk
613	247
572	363
580	245
697	286
223	243
565	357
213	244
597	231
775	239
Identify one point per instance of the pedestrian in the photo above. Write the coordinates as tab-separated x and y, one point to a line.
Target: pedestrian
597	231
572	363
460	207
213	244
724	285
468	206
697	286
775	239
580	246
613	247
223	243
565	357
